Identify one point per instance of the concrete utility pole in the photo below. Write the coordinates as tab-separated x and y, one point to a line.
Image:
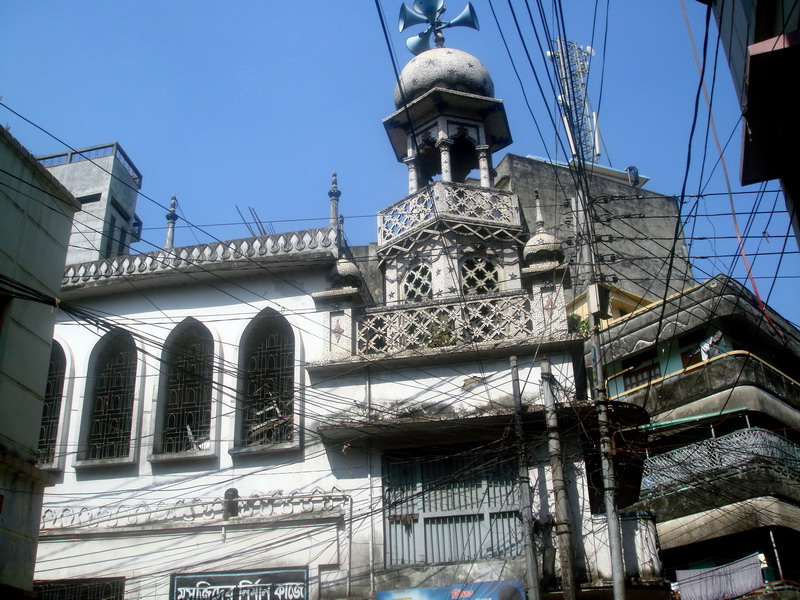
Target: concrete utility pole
601	403
563	523
525	510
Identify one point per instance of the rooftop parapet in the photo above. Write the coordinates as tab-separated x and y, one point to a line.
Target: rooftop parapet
296	243
74	156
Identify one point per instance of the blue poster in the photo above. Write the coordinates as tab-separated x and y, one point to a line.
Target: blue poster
508	589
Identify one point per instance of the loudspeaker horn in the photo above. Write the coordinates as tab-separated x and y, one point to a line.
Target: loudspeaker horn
467	18
408	18
428	7
419	43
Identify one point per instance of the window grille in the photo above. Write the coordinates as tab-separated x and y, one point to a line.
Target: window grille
641	376
417	283
111	415
80	589
453	509
187	369
267	362
479	275
52	405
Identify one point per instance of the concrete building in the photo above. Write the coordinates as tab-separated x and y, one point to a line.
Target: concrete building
719	378
761	39
36	213
288	415
106	183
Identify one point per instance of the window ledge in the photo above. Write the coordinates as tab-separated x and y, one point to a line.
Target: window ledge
276	448
100	463
51	467
189	455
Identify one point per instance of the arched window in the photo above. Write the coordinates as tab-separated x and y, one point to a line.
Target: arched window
479	275
111	389
51	411
186	371
417	283
266	363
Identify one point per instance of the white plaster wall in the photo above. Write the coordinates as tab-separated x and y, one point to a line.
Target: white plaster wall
149	558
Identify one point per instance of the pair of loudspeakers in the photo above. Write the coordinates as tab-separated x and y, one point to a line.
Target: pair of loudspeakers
430	11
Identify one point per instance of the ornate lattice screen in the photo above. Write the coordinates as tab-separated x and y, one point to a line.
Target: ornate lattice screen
267	367
417	283
52	405
188	370
112	398
479	275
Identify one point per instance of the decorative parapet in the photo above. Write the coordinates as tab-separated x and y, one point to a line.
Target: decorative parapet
252	248
440	324
192	512
454	201
679	466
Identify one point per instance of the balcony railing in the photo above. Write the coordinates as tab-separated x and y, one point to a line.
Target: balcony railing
732	369
689	462
457	201
440	324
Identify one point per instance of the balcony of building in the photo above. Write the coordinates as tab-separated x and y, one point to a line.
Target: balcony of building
698	460
467	208
734	371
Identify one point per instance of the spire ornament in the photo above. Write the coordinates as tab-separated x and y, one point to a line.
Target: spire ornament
171	218
334	194
431	11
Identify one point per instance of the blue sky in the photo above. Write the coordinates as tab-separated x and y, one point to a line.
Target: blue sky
256	103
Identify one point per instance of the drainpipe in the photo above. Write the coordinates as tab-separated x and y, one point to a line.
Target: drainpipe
525	510
563	521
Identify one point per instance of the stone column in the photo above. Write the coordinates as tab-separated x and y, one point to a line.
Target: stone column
485	166
444	144
413	178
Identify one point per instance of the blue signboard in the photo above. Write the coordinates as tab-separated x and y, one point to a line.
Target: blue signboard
268	584
508	589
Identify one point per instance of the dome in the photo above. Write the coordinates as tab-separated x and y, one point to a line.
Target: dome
347	269
444	68
541	245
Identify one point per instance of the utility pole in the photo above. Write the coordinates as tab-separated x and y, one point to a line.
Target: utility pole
525	509
563	523
598	387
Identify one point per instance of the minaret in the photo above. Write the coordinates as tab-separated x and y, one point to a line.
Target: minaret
447	121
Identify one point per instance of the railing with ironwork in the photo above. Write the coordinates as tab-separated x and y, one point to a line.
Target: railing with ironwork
688	462
457	201
247	249
439	324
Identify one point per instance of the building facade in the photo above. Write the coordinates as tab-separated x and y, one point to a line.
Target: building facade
717	373
36	218
761	39
288	415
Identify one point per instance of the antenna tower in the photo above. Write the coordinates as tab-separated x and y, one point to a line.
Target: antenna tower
580	123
